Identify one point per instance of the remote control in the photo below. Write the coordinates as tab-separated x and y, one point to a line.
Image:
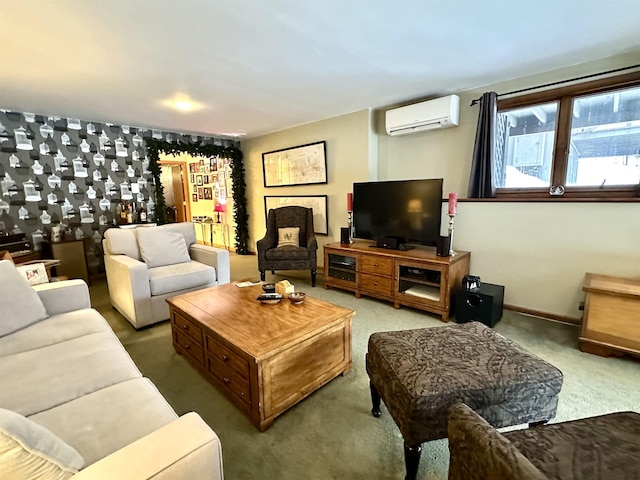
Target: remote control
270	296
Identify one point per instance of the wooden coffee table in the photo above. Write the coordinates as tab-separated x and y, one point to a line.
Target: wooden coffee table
264	358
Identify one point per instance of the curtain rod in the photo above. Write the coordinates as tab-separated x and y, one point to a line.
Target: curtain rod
477	100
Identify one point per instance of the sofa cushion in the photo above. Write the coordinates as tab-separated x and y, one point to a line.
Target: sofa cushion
106	420
65	371
181	276
289	237
162	247
29	450
57	328
21	304
187	229
122	241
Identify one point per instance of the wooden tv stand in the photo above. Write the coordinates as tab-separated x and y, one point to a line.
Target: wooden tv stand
416	278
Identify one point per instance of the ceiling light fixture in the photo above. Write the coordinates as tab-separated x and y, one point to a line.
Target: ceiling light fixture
182	103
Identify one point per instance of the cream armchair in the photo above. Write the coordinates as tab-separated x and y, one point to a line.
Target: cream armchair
147	265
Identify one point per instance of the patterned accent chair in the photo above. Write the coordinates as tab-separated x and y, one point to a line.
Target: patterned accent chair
420	373
302	256
596	448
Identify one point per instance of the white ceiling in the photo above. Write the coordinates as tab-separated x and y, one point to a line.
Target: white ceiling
259	66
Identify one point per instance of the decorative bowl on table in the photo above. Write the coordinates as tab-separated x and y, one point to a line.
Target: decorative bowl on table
269	298
297	297
269	287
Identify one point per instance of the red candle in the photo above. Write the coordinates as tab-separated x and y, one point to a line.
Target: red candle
453	203
349	202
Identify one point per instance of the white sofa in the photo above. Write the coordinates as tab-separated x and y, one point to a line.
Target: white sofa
147	265
63	368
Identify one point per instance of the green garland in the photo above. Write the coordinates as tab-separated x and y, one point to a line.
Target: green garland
240	216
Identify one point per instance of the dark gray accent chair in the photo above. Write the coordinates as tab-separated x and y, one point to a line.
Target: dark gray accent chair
595	448
303	257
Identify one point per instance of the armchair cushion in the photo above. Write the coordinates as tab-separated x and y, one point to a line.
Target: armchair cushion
180	276
162	248
29	450
287	253
21	304
289	237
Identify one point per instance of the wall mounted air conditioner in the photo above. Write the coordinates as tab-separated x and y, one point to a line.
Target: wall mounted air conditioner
419	117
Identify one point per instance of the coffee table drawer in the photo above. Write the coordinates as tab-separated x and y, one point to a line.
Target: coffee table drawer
187	328
233	381
226	356
188	346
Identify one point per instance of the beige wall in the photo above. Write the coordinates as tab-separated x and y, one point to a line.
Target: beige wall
348	150
539	251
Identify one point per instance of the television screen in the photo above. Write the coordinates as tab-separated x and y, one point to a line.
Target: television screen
410	209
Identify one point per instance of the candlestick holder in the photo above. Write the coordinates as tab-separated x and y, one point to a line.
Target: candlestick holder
452	253
350	225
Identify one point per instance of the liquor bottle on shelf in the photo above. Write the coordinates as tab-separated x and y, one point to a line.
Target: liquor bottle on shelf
142	213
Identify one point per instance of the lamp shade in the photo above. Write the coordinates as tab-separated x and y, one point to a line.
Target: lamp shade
219	207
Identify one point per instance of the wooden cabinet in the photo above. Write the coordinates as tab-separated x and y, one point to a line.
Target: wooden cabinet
73	260
417	278
611	323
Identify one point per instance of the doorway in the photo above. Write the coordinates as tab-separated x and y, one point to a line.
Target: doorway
175	194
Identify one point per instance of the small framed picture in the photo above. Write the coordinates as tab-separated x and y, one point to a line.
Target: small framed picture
214	165
199	179
193	167
200	193
207	193
35	273
194	197
215	177
221	164
206	169
201	162
193	178
205	179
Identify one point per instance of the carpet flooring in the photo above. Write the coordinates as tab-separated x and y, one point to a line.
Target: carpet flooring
332	434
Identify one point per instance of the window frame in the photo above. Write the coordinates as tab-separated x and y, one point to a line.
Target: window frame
564	96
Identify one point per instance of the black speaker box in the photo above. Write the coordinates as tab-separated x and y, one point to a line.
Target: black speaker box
344	235
483	304
444	245
388	242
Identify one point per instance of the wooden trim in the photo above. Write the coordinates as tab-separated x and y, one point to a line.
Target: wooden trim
547	315
584	88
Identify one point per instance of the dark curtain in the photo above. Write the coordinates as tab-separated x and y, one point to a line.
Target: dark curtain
481	182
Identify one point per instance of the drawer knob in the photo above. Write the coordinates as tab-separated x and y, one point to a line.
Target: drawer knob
375	283
186	327
187	346
225	358
226	380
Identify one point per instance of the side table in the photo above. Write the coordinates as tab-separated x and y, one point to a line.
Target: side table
72	256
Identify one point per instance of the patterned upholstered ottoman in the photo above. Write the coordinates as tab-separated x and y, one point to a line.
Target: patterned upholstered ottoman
420	373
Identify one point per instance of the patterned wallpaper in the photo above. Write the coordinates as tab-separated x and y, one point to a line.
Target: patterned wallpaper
74	173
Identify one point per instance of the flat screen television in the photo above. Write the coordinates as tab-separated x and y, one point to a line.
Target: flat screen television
407	210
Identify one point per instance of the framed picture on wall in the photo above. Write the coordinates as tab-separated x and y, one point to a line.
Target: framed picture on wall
193	178
194	197
200	193
208	194
302	165
199	179
193	167
205	179
317	202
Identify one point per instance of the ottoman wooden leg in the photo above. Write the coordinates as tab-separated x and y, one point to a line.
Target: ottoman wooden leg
537	424
375	401
412	460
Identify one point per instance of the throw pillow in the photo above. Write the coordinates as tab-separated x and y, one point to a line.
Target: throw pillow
21	304
288	237
29	450
162	247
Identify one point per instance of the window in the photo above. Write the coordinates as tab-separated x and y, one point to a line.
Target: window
578	141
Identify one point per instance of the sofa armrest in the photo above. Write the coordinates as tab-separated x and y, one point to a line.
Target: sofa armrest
128	281
64	296
184	449
217	258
